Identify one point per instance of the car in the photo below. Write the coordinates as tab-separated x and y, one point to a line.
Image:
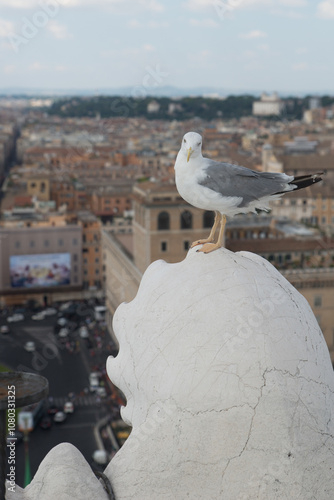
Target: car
53	409
100	391
100	457
50	311
46	423
16	437
94	381
68	407
65	306
62	321
63	332
38	317
59	417
4	329
83	332
16	317
30	346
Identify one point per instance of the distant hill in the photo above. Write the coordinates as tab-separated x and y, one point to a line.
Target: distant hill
165	91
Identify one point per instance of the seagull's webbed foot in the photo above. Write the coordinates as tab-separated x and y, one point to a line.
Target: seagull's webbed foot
209	247
201	242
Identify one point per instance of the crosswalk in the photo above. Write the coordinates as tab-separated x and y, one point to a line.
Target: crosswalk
89	400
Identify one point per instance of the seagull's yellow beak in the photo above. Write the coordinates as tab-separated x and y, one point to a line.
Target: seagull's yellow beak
189	154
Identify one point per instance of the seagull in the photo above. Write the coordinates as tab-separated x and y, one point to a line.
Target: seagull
227	189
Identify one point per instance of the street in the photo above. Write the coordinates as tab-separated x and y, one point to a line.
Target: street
67	365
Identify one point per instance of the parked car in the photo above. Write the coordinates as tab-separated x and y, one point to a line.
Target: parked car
100	457
30	346
38	316
68	407
100	391
46	422
53	409
62	321
59	417
83	331
16	317
4	329
17	437
63	332
50	311
94	381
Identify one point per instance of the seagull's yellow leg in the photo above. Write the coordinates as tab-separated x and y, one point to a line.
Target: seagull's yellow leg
210	247
212	233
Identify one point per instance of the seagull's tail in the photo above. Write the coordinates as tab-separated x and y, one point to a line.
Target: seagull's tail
302	181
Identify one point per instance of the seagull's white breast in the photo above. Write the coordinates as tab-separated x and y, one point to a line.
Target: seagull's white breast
187	178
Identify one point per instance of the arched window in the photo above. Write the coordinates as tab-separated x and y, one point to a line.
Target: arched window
208	219
163	221
186	220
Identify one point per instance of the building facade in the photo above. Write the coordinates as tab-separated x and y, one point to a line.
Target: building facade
38	261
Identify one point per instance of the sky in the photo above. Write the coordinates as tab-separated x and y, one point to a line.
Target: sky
262	45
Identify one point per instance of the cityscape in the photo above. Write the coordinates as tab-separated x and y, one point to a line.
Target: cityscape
88	201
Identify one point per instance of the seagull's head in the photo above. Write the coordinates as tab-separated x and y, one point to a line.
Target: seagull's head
192	145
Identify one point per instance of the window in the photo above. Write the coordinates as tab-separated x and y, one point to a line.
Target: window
75	257
32	244
75	241
46	243
186	220
163	221
17	244
97	260
42	187
164	246
60	242
208	219
186	245
317	301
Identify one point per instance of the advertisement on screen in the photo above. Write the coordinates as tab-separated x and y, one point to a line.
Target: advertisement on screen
42	270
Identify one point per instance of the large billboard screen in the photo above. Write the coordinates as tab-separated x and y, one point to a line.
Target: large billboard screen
40	270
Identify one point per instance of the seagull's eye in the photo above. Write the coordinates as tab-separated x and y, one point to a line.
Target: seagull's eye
184	140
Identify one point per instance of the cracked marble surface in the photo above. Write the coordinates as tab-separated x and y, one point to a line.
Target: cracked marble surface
229	388
229	385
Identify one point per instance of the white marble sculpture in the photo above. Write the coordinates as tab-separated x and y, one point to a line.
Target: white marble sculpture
229	388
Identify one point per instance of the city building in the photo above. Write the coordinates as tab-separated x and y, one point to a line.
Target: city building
38	262
164	224
268	105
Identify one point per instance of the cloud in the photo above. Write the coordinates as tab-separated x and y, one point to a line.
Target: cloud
301	50
149	48
150	5
36	66
197	5
301	66
290	14
6	28
203	23
154	25
59	31
326	9
9	69
253	34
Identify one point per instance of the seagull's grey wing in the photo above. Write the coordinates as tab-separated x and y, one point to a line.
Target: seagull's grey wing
234	180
